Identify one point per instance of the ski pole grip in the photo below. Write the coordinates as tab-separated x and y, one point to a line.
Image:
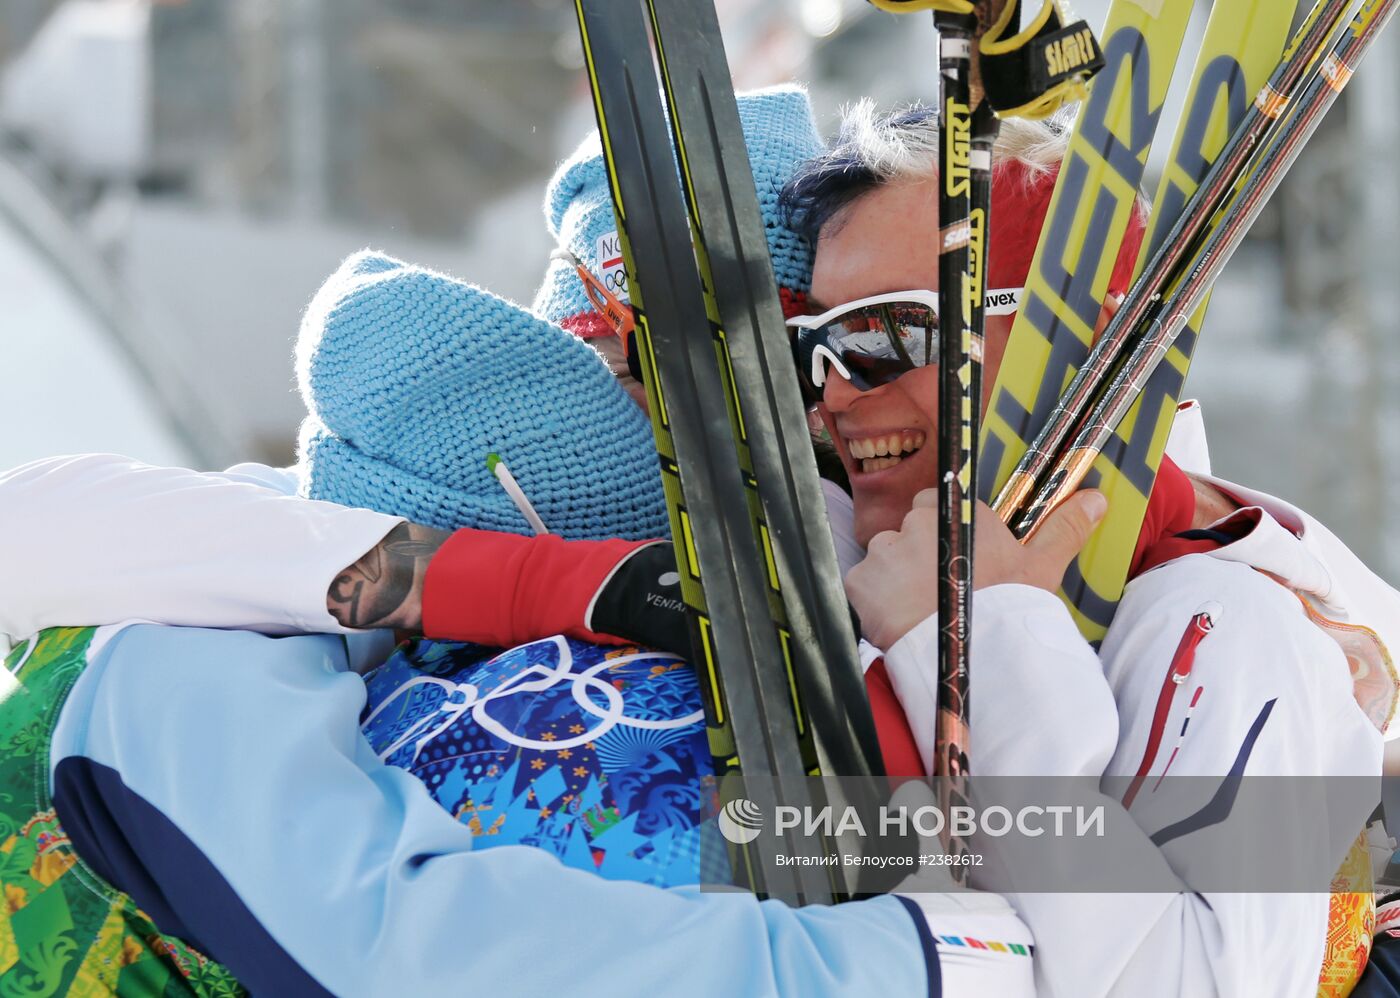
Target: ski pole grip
1034	72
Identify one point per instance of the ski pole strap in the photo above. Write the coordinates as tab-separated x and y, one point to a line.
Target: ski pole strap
1038	70
1033	72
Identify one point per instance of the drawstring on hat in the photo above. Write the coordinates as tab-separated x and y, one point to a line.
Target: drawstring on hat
517	495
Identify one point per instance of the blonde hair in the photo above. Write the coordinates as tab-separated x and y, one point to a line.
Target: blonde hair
875	148
905	145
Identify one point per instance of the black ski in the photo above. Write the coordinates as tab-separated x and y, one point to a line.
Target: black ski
829	698
724	579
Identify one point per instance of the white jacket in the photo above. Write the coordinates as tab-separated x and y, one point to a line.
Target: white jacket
1275	696
99	538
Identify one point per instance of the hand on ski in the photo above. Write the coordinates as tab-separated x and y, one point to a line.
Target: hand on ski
1042	559
892	589
506	589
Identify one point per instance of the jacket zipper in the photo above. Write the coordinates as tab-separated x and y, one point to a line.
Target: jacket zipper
1183	660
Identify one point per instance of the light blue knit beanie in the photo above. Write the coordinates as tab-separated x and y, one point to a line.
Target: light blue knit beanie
780	134
411	377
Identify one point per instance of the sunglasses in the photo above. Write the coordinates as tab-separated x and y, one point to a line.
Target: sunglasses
872	341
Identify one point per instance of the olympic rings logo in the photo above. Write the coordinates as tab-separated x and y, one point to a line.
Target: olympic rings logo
460	698
615	280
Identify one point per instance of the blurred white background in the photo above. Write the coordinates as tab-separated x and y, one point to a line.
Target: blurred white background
177	177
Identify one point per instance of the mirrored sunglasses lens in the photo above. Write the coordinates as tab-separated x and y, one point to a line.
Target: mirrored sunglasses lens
876	343
890	338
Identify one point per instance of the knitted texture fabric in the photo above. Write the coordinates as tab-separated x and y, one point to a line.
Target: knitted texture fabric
411	378
780	134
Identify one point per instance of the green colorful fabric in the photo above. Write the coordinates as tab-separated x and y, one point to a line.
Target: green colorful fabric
63	929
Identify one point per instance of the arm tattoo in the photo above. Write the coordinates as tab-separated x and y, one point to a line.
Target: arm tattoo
385	587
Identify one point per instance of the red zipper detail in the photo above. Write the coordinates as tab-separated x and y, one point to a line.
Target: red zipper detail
1182	661
1180	737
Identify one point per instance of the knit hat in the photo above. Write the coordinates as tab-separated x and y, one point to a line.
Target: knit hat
780	134
411	378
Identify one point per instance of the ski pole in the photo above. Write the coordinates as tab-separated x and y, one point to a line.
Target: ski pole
1152	344
957	418
959	381
966	138
1308	44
